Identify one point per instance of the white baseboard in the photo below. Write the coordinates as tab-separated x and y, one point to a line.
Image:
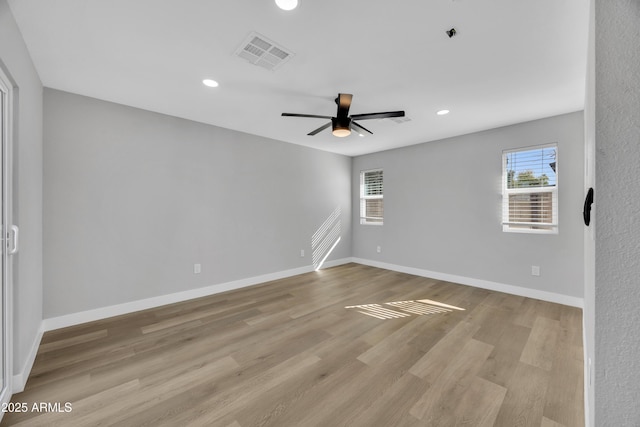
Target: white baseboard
335	263
144	304
19	381
479	283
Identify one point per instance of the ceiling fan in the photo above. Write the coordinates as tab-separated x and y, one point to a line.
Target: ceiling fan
341	124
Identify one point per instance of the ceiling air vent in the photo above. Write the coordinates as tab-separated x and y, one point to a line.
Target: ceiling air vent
259	50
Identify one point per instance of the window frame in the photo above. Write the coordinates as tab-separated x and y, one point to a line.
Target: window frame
364	220
517	227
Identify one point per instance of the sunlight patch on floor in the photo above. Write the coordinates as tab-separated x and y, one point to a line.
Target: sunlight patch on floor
400	309
377	311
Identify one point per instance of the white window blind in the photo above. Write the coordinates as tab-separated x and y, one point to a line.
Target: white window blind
530	190
371	197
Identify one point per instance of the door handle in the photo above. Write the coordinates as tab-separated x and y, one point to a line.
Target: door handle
15	232
586	212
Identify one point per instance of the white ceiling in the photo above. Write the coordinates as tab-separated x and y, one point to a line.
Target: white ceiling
511	61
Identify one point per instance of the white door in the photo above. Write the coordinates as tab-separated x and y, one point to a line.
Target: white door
8	239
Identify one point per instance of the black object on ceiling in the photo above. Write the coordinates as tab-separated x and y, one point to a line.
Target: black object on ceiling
342	123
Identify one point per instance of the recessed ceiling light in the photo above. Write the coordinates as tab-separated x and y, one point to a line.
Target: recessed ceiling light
287	4
442	112
210	83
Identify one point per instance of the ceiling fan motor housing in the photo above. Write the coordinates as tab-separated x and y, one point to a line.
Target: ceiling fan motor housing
341	126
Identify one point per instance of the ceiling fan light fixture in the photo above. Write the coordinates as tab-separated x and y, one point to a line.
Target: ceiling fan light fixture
341	126
287	4
341	132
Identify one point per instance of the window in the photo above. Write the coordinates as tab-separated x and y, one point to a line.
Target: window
371	201
530	190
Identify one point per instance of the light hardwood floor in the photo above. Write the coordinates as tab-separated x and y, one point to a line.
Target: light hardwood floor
288	353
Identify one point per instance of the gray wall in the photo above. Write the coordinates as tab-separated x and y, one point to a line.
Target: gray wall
617	251
27	187
443	209
133	199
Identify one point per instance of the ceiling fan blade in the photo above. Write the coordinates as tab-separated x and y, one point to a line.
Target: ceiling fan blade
386	115
305	115
320	129
344	103
360	126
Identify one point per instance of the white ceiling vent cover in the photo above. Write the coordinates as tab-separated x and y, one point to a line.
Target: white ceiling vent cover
259	50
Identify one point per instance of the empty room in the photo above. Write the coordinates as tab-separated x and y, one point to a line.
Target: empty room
299	213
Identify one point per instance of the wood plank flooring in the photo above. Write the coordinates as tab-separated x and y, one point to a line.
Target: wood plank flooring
289	353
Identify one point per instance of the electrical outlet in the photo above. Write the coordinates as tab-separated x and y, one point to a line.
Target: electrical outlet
535	270
197	268
378	249
301	253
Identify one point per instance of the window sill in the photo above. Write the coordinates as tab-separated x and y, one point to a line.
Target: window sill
507	229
